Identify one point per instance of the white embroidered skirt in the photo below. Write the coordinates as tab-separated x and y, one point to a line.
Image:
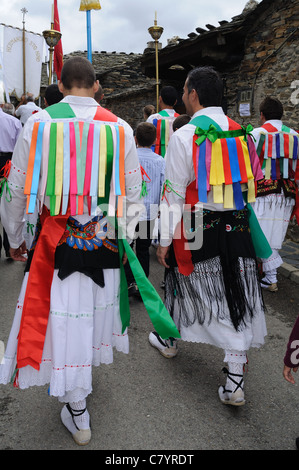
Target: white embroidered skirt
84	325
273	213
203	291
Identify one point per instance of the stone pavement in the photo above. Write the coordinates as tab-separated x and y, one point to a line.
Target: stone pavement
290	254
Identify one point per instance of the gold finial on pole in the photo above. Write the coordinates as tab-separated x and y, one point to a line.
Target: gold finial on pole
156	32
52	37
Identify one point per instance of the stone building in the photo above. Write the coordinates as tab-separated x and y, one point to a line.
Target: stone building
126	89
256	53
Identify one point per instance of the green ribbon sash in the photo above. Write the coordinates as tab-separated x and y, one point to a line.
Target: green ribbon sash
213	134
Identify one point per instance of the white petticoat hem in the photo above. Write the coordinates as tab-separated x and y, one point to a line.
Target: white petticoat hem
83	328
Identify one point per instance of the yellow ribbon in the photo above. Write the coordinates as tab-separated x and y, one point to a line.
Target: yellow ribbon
58	166
216	169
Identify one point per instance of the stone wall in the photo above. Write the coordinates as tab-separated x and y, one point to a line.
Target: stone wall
126	89
270	65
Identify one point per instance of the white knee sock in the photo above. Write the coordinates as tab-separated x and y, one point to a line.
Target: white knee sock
235	361
271	276
81	420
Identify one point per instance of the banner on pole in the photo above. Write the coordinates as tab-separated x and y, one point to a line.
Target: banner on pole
13	61
58	53
89	5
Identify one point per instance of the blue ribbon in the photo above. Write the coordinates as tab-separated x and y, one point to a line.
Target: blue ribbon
233	160
93	192
277	144
238	196
36	168
202	173
295	148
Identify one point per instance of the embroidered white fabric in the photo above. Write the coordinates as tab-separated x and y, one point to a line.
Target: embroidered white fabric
83	328
220	332
273	213
272	263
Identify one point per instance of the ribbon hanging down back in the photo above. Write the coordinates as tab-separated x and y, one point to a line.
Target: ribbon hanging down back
69	160
278	152
222	162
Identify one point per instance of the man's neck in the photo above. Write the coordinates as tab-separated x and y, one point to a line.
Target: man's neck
166	106
84	92
197	108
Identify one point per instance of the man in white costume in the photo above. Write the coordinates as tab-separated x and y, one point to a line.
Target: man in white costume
84	322
213	295
276	193
163	119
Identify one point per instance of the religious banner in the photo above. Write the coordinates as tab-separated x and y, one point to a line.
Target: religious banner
89	5
13	61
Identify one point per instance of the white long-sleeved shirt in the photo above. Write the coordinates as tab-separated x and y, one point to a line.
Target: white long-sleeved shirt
154	166
179	171
154	116
10	128
12	213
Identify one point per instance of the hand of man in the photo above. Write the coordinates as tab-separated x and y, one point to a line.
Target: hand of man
162	255
287	373
17	254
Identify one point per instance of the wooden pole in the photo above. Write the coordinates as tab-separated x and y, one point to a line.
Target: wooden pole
24	11
157	76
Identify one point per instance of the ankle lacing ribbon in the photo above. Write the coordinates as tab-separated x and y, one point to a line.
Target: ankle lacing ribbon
230	375
75	413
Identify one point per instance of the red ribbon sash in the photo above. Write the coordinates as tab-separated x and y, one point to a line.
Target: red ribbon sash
37	298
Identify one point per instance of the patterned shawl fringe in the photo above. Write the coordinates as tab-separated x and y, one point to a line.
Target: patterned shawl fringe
229	291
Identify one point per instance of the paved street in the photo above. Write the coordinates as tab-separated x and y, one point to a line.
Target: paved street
146	402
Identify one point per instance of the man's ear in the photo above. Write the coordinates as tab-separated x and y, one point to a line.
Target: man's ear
60	86
96	86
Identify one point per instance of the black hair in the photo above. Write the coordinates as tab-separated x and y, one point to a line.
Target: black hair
207	84
169	95
52	94
271	108
79	72
146	134
180	121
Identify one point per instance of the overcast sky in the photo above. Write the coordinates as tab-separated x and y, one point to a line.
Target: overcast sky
121	25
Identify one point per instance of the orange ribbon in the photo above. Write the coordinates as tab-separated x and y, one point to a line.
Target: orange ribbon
35	313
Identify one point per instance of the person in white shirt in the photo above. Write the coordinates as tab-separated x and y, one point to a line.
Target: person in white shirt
81	299
10	128
152	169
26	108
163	119
276	193
211	287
